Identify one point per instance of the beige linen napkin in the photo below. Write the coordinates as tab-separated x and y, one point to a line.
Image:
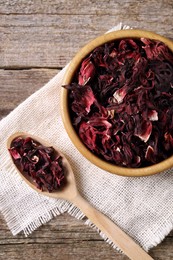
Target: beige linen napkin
142	207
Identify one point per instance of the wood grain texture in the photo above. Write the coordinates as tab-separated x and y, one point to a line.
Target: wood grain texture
17	85
49	33
65	238
37	38
62	238
85	7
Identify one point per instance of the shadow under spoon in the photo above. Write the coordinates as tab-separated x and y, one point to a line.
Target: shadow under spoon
70	193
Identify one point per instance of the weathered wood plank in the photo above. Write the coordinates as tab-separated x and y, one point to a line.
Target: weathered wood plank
52	40
17	85
64	238
100	7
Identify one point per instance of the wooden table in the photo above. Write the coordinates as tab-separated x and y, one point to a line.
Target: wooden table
37	39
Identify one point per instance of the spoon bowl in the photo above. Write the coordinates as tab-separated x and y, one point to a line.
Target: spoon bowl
69	192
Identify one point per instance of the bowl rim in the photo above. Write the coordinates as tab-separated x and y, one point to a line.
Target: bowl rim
71	68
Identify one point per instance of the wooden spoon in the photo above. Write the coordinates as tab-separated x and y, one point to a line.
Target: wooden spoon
70	193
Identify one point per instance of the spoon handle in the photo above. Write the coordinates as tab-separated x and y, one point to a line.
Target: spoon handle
111	230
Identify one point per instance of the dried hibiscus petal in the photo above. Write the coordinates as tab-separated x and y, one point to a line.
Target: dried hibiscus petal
87	71
42	164
143	129
121	102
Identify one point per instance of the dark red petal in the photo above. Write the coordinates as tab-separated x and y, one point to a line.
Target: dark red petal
143	130
39	163
87	71
14	153
149	155
152	115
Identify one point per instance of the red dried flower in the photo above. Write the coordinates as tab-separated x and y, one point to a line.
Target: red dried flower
87	71
42	164
121	102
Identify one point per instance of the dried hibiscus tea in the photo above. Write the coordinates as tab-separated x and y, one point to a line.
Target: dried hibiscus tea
43	165
121	102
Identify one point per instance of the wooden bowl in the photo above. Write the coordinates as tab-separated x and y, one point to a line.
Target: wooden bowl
73	66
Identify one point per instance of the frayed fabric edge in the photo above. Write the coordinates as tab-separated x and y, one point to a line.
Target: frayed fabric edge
162	233
74	212
67	208
105	238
